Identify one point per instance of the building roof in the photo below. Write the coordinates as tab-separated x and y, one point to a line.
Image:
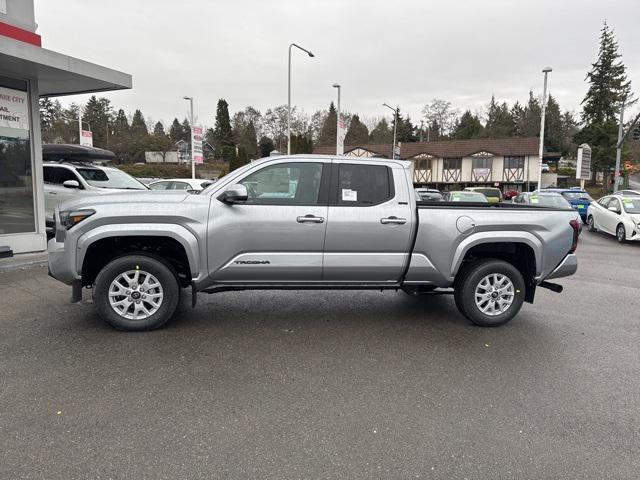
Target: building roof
448	148
57	74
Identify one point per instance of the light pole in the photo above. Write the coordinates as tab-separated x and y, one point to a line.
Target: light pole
546	71
395	128
193	164
338	152
289	95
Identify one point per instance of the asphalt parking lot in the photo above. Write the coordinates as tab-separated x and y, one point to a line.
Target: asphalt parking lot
327	384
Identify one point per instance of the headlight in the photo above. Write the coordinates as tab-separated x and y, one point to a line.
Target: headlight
70	218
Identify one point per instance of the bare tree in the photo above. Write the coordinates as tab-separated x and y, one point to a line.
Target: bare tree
442	114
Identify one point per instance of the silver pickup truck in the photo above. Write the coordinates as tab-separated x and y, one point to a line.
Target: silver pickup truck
307	222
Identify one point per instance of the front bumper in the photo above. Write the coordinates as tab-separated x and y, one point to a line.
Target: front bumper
61	266
567	267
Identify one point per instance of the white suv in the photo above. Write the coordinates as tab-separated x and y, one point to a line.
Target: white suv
65	181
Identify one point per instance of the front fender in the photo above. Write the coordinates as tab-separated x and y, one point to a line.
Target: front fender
498	237
176	232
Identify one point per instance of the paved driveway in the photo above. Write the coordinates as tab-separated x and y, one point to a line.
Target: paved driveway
327	384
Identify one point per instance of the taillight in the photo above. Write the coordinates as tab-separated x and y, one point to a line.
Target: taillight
575	224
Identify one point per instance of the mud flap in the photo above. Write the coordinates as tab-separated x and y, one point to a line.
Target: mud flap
76	291
194	295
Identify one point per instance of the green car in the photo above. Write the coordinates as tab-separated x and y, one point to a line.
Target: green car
494	195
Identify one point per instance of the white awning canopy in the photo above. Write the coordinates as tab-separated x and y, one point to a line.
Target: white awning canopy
57	74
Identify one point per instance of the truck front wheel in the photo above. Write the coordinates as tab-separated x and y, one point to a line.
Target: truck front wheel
489	292
136	292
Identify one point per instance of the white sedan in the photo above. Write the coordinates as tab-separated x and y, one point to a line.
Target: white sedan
189	184
616	215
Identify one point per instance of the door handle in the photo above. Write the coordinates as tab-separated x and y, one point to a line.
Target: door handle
309	218
52	193
393	220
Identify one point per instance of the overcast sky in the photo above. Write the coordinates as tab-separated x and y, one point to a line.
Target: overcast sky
403	52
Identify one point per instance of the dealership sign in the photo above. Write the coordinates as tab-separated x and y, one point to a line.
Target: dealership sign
196	145
14	109
86	138
583	169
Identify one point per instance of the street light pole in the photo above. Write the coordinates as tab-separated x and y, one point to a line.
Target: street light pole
395	128
193	163
338	121
79	125
546	71
619	148
289	94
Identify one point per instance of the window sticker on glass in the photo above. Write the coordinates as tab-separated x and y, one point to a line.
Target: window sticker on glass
455	198
534	200
349	195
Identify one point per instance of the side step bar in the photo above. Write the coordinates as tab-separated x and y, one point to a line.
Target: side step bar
554	287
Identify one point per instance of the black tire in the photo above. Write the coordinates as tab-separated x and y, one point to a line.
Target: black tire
468	280
591	226
163	273
621	233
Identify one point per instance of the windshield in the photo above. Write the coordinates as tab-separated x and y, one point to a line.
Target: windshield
577	196
556	201
467	197
631	205
489	192
110	179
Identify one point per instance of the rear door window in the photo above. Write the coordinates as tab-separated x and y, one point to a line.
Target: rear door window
363	185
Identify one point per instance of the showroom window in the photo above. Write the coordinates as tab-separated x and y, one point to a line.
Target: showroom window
16	176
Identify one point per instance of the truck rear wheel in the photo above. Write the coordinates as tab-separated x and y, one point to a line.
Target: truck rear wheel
489	292
136	292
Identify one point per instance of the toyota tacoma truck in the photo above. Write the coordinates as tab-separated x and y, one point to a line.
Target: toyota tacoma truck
307	222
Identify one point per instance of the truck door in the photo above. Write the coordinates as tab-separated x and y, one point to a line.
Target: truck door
370	222
277	236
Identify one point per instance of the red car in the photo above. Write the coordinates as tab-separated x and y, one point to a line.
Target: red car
509	194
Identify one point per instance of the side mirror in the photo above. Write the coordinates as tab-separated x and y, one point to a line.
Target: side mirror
236	193
613	209
71	184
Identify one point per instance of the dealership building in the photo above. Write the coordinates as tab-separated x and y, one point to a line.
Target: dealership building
27	73
507	163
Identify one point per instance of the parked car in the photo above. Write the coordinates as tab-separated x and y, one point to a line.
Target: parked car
349	224
428	195
628	193
69	181
578	198
616	215
192	185
546	199
509	194
545	168
464	196
494	195
147	180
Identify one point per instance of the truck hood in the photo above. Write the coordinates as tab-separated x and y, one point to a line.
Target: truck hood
130	197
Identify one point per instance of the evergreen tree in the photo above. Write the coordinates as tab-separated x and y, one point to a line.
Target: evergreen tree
381	133
138	125
301	144
175	131
328	132
222	134
608	87
242	158
250	141
158	129
518	113
120	143
186	131
553	126
468	126
532	114
265	146
499	121
357	134
97	115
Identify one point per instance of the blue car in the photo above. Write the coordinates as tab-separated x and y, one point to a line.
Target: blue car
578	198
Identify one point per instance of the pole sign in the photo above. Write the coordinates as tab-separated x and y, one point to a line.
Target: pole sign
342	127
196	141
86	139
583	169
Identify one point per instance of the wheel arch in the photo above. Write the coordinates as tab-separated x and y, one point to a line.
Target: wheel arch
171	243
